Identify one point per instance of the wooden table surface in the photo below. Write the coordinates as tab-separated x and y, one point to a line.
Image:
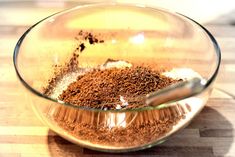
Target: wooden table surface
21	133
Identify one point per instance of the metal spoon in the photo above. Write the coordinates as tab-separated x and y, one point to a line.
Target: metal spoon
176	92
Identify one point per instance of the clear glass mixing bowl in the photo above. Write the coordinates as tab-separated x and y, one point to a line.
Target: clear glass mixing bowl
140	35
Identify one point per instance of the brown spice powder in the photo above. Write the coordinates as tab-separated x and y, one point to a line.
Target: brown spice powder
103	88
143	128
73	62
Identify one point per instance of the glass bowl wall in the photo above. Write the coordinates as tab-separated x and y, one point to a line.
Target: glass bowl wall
140	35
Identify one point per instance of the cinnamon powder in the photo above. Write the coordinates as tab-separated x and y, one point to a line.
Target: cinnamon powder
104	88
142	127
112	89
101	89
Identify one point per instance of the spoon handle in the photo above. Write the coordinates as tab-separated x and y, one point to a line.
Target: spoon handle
176	92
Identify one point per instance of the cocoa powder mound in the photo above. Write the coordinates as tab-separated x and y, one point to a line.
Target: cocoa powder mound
103	88
107	89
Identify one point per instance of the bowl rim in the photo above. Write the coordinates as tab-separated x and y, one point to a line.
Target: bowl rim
36	92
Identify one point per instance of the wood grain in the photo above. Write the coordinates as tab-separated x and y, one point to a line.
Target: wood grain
211	133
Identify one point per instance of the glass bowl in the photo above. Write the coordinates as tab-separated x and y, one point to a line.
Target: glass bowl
49	54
